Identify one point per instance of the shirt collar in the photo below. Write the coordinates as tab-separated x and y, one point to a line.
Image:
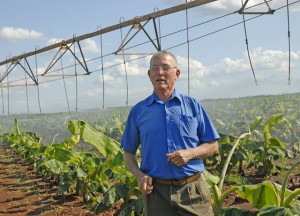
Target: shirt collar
154	98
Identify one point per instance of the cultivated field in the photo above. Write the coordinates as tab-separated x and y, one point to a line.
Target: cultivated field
72	164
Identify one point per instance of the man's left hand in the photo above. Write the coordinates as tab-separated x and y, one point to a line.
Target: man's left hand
180	157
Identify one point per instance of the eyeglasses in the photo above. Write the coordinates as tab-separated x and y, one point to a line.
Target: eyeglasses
164	68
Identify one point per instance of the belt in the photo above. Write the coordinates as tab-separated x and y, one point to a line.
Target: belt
178	182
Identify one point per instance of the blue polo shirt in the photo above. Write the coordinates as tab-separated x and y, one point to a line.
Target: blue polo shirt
163	127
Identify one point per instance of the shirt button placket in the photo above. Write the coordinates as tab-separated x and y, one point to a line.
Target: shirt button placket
169	129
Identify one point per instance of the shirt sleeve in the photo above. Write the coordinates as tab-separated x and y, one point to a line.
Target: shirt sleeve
130	139
206	130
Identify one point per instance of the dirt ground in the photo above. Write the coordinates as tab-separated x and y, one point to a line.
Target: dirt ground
22	192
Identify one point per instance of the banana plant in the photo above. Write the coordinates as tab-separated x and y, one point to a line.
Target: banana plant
23	143
272	198
296	148
90	173
109	172
271	149
106	146
269	197
216	184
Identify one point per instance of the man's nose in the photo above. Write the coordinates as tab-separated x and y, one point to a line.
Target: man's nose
160	71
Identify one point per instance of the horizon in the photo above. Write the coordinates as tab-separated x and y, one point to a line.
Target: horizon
130	106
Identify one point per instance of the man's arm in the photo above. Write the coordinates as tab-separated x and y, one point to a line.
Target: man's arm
181	157
144	181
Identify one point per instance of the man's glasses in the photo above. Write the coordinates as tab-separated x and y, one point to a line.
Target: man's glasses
164	68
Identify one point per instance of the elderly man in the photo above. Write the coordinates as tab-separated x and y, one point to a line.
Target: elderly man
175	134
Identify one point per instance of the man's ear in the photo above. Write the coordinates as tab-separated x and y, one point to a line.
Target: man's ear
149	73
177	73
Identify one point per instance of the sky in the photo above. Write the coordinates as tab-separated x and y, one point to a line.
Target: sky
209	42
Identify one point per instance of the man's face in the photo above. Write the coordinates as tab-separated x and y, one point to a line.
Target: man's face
163	73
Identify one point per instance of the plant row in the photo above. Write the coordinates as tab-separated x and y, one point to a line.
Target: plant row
102	178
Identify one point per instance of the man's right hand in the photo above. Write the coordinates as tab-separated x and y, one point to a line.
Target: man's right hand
144	181
145	184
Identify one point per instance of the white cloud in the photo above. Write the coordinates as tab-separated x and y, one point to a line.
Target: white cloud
266	60
53	41
228	65
2	69
17	34
135	67
253	5
199	84
216	83
224	5
117	91
108	78
92	93
224	82
44	85
196	67
90	45
272	59
3	89
116	67
41	70
229	6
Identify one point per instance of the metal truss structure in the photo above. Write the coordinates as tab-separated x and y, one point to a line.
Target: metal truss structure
65	45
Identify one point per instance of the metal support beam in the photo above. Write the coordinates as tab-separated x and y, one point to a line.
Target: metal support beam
16	62
140	27
171	10
66	48
241	11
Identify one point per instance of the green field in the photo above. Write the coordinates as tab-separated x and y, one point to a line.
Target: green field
260	137
230	116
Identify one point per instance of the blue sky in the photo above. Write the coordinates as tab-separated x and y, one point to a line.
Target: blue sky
218	62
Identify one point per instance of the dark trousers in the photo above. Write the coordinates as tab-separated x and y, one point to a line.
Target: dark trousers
187	200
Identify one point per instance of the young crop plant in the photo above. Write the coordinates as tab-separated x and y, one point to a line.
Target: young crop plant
112	173
271	198
270	150
102	179
241	153
90	173
216	185
23	143
296	148
239	157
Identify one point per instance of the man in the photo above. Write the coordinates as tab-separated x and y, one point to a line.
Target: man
175	134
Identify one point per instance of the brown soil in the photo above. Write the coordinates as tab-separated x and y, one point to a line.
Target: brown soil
22	192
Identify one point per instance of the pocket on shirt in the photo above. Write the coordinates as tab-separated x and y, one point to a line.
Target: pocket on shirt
188	126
